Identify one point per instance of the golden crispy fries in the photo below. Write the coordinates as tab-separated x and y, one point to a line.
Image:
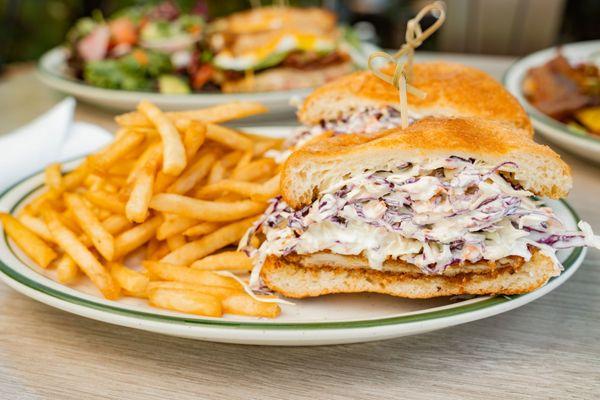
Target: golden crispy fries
194	137
243	304
192	175
228	137
227	260
202	228
27	241
243	163
88	263
220	292
136	208
215	114
217	173
166	179
210	243
77	176
259	169
176	241
178	273
93	228
130	280
53	178
117	150
255	191
116	224
106	200
133	238
187	301
213	211
232	159
173	226
37	226
151	152
174	157
66	270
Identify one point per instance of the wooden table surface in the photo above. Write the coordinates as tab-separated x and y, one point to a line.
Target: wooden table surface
547	349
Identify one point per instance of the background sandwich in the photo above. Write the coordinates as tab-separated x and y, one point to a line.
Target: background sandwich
277	48
363	103
442	208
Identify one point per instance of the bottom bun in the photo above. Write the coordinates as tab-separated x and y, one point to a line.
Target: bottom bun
286	78
292	280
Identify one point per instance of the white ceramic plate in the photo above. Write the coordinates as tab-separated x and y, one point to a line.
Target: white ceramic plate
53	71
325	320
586	145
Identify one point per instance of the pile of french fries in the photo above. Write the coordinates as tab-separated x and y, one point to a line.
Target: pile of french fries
174	191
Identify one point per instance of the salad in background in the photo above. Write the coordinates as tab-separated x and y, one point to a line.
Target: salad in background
567	92
159	48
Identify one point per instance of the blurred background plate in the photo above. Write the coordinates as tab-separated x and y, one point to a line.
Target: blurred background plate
586	145
53	71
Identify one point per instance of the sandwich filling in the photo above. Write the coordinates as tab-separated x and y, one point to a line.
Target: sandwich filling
369	120
436	215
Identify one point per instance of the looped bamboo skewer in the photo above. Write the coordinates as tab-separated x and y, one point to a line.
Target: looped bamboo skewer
402	75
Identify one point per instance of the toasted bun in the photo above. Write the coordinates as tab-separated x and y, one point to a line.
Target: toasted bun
274	18
284	78
291	280
322	162
453	90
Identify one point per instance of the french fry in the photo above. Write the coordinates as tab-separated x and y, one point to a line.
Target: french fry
255	191
220	292
256	170
232	159
160	252
133	238
174	157
117	150
116	224
229	138
66	270
227	260
88	263
193	138
210	243
37	226
215	114
152	151
130	280
192	175
27	241
202	228
173	226
74	178
243	304
136	208
93	228
175	241
217	173
108	201
243	163
53	178
186	301
169	272
263	146
213	211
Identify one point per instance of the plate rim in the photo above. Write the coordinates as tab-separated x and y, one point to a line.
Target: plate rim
516	72
7	273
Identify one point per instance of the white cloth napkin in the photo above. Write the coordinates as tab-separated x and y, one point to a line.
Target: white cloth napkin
53	136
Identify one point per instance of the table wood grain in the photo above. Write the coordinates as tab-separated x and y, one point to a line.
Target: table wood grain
547	349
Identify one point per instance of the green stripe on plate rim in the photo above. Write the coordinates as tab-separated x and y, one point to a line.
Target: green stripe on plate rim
215	323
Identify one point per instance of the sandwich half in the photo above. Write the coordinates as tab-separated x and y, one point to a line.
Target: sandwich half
362	103
277	48
445	207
